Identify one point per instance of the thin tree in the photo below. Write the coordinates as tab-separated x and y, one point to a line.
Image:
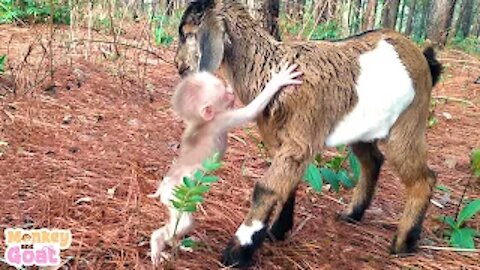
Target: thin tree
411	14
441	21
369	18
390	10
464	21
402	14
476	24
266	12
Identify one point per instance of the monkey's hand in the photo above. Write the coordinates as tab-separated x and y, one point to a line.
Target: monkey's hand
285	76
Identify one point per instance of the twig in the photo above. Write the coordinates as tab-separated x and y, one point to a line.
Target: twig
50	42
451	249
454	99
126	45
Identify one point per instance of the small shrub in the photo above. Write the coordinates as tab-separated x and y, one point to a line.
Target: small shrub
3	58
33	11
460	235
333	171
475	162
469	44
192	191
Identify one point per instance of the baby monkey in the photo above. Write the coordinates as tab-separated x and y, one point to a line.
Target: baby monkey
205	105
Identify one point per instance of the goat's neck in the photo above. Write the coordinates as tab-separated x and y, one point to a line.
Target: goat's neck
251	54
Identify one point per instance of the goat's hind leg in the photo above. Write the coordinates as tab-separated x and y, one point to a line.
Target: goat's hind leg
371	160
406	151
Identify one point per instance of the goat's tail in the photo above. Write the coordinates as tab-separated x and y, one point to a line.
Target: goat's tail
435	66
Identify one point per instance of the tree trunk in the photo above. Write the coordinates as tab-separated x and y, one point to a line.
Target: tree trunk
295	9
402	14
270	13
356	15
411	15
169	7
369	18
476	25
390	10
464	21
440	22
266	12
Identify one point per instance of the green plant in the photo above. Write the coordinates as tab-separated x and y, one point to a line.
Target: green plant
164	28
460	235
333	171
192	190
2	63
33	11
475	162
469	44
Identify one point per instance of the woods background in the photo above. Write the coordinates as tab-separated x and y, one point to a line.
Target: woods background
441	21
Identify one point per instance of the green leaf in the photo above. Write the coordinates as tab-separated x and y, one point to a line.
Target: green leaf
196	199
448	220
331	178
213	163
199	190
2	63
475	162
443	188
177	205
313	177
190	208
188	243
345	180
335	163
180	192
463	238
198	175
188	182
209	179
468	211
354	165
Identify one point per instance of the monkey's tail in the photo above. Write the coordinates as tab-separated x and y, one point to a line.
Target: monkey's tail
435	66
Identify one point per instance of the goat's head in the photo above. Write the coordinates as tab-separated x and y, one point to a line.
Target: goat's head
202	36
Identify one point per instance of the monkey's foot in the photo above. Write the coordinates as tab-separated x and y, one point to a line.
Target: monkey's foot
157	245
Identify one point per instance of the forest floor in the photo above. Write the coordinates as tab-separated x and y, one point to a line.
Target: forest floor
83	153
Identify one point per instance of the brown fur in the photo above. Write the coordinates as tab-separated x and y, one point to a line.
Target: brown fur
295	125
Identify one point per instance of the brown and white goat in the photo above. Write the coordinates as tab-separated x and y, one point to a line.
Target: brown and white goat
372	86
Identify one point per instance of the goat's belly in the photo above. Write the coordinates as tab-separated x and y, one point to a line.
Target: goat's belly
384	90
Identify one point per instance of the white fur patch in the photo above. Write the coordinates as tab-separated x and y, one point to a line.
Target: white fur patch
384	90
245	233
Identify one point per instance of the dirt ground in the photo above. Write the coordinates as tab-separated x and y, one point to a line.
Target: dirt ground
84	152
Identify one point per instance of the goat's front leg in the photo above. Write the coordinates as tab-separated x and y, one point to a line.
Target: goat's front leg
276	187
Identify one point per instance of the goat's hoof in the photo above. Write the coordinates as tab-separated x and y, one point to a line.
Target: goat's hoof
275	236
403	248
236	255
350	218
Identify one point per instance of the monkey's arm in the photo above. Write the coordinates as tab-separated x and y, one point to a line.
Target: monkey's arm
234	118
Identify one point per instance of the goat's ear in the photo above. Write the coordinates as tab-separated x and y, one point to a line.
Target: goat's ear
211	46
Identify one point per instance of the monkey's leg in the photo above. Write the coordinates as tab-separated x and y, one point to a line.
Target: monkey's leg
284	222
278	183
371	160
178	226
406	151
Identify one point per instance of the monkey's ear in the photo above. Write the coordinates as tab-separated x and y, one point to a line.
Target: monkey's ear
211	44
207	112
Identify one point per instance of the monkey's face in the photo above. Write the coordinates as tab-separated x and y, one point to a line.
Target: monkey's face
220	96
